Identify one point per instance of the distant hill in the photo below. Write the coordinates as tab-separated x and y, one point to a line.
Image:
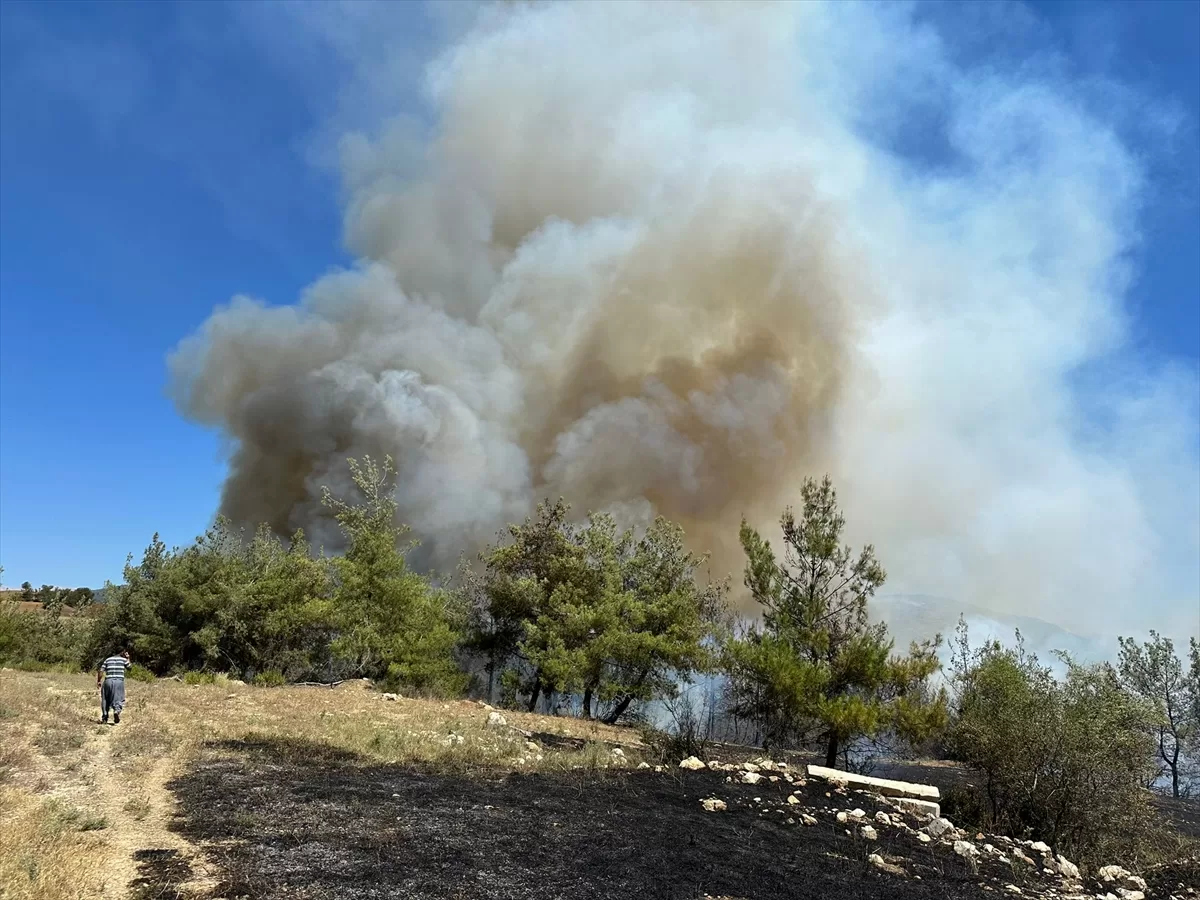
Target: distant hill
919	616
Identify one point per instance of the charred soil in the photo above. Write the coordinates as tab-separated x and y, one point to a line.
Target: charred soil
283	819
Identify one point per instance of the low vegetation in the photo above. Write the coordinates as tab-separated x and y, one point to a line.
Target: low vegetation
598	627
1065	759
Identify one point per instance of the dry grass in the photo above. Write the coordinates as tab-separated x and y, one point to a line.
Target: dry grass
78	799
48	852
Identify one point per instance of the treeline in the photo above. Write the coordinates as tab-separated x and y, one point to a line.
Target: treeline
564	615
582	618
52	597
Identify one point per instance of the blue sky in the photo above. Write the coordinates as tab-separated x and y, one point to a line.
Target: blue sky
156	159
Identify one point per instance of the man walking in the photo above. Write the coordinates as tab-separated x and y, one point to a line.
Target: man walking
110	679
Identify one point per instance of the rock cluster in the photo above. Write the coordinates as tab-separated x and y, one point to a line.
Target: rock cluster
1002	864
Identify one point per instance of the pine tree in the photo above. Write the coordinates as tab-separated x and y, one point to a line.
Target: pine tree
666	622
591	612
520	579
816	662
391	622
1154	673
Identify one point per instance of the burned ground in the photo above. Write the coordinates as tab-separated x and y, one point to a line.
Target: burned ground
225	790
293	820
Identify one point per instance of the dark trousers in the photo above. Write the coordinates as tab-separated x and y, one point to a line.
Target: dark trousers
112	696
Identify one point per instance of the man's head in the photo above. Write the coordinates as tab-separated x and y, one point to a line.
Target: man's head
124	653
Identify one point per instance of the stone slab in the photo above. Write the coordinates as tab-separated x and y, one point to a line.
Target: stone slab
884	786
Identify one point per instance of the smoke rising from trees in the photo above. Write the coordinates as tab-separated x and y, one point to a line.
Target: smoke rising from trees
672	258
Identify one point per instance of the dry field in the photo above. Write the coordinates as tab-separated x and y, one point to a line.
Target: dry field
78	799
224	792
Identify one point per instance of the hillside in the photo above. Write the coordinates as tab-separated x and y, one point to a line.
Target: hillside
223	791
920	616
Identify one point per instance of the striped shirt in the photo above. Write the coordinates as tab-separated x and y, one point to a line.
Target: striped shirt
115	666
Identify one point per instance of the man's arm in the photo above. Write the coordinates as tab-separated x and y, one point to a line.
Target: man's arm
99	673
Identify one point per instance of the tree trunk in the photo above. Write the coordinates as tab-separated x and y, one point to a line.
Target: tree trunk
618	710
536	692
623	703
587	702
491	670
831	752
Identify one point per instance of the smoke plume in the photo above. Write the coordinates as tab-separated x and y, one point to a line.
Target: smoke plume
672	258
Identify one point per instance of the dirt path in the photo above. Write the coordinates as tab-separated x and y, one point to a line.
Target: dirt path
120	792
138	810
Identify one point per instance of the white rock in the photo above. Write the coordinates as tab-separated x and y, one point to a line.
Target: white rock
793	800
692	764
843	817
749	767
532	747
617	751
391	696
1012	889
495	720
923	837
965	849
751	778
712	804
1120	877
1040	847
858	814
868	832
880	863
937	827
1126	894
1068	869
1112	874
643	765
808	820
883	818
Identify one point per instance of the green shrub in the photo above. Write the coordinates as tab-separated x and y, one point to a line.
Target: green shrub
40	641
140	673
1064	761
269	679
199	678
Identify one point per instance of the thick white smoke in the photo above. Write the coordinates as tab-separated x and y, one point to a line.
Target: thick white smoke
664	258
